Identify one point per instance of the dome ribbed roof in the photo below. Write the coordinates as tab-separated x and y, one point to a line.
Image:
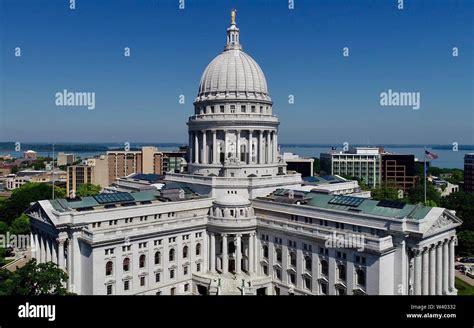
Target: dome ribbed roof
233	74
233	71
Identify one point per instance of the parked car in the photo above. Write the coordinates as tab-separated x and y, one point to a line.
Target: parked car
467	260
460	267
9	251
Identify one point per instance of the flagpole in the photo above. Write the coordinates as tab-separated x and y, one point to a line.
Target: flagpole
424	164
53	171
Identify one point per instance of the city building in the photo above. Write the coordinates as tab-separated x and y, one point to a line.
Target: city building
444	187
398	171
93	170
236	222
469	173
63	159
302	165
136	182
359	162
333	185
30	155
148	160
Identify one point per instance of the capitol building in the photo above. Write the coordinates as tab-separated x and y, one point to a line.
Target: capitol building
238	222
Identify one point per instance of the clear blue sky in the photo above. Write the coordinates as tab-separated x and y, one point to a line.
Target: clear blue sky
300	51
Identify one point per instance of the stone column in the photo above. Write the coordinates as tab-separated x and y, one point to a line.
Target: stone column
238	145
69	264
225	257
425	270
250	146
190	143
54	255
196	147
451	264
48	249
225	145
204	147
260	146
76	257
417	282
251	253
212	260
275	146
238	253
214	147
61	252
432	270
268	148
43	250
445	267
439	270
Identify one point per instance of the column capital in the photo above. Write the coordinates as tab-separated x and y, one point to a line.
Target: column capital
416	251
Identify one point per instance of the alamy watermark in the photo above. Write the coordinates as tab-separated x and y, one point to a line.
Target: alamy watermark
16	241
400	99
356	241
77	99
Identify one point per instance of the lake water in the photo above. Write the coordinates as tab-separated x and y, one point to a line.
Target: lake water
447	158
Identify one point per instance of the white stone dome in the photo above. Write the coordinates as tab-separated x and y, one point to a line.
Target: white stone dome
236	72
233	74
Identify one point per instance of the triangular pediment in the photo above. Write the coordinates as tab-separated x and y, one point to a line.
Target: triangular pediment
447	220
37	212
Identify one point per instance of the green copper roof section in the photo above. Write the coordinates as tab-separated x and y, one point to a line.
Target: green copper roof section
369	206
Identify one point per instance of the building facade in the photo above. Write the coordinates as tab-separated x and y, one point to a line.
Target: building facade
93	170
238	222
398	171
360	162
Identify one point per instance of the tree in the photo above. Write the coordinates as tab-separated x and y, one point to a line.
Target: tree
466	243
3	228
34	279
88	189
463	203
22	197
385	193
21	225
416	195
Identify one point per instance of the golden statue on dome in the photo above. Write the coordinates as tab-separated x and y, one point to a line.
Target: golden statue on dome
233	12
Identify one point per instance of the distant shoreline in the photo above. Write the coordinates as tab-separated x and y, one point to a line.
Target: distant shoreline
105	146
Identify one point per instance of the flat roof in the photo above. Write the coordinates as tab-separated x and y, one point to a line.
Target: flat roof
352	204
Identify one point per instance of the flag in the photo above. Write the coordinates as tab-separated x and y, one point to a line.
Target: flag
429	155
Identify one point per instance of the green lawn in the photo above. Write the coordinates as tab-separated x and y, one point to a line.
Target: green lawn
463	288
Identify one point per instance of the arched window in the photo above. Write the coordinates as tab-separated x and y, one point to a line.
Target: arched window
341	271
126	264
293	258
142	261
360	277
307	263
109	268
265	251
171	255
324	267
198	249
185	252
278	254
157	258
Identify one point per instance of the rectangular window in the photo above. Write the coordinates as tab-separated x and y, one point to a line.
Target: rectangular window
185	270
171	274
126	285
186	287
109	289
142	281
198	267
